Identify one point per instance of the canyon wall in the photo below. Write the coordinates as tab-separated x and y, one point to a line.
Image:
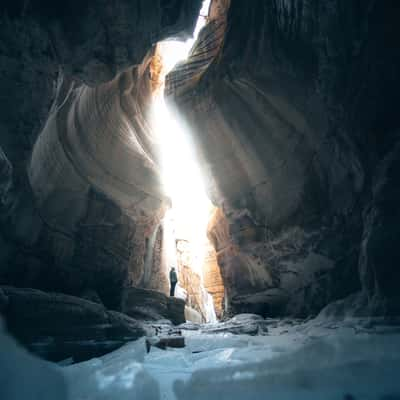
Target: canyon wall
213	282
292	110
81	193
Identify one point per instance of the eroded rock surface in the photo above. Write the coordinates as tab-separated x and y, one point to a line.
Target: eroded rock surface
292	107
293	118
76	84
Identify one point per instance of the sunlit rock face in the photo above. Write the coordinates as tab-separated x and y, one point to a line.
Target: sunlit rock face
95	179
213	282
295	123
190	280
76	83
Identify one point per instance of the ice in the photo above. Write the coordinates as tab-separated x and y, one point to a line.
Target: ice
332	368
294	361
209	306
24	377
329	360
119	375
315	360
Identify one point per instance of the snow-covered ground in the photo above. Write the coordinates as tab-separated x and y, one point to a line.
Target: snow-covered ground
319	359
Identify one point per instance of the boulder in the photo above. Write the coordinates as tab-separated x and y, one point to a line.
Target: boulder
152	305
162	343
57	326
192	315
267	303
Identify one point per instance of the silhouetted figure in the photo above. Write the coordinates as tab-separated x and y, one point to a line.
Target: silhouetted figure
173	280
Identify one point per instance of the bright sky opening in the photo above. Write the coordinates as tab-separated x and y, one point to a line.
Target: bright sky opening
180	170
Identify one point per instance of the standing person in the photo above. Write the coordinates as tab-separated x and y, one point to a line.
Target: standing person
173	280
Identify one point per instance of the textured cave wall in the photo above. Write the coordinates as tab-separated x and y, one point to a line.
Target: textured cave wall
75	82
294	119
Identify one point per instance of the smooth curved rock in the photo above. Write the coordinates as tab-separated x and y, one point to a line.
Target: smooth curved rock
94	153
99	138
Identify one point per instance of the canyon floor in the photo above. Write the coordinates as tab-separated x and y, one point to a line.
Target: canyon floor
247	357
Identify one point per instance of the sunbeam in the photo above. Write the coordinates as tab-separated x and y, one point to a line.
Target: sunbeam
183	183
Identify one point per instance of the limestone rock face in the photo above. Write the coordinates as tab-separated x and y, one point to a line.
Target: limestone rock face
57	326
292	115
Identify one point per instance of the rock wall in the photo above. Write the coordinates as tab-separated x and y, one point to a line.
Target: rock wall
57	326
213	282
158	278
189	279
97	140
293	110
75	83
293	115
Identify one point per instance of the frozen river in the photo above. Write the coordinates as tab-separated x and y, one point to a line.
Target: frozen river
318	359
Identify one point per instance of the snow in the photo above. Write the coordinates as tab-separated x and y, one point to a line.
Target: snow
318	359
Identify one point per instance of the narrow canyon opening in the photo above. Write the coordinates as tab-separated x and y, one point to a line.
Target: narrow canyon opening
186	246
252	145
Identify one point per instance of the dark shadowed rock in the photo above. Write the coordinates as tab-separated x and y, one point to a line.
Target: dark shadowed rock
165	341
57	326
176	310
293	109
152	305
91	295
3	301
378	265
292	116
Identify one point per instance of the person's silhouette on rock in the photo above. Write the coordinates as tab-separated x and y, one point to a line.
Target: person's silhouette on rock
173	280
